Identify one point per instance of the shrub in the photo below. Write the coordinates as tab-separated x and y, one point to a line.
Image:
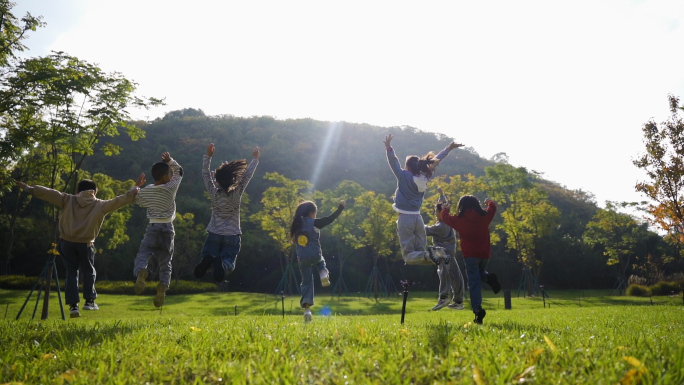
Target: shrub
16	282
638	290
665	288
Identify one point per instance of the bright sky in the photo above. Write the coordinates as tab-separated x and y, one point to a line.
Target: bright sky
562	87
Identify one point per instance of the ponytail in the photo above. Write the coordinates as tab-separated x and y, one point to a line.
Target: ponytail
303	210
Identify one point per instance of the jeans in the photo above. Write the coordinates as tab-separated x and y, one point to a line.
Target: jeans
306	266
450	278
158	241
476	273
225	247
78	256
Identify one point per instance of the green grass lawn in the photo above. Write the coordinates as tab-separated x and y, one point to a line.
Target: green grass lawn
584	337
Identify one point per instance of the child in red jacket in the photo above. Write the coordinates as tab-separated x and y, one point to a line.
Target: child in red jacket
472	223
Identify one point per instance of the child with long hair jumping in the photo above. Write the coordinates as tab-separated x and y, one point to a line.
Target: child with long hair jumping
305	234
225	186
412	182
472	223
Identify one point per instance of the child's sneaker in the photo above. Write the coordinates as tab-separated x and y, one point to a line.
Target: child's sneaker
73	311
437	254
91	305
479	316
325	277
307	316
440	304
493	281
161	293
456	306
202	267
140	281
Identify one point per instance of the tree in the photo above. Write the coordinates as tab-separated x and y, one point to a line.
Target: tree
664	166
345	229
378	228
275	217
618	235
113	231
527	216
13	31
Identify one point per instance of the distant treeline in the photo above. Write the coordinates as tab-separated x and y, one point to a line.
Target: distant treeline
541	226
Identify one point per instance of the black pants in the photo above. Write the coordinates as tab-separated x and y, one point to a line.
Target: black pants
78	256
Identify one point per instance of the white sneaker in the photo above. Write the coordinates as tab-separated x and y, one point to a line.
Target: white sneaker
325	277
456	306
442	302
307	316
91	305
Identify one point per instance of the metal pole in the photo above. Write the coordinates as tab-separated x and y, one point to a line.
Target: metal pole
406	285
236	310
282	300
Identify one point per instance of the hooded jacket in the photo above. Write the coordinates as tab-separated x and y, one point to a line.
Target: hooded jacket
81	215
473	230
408	198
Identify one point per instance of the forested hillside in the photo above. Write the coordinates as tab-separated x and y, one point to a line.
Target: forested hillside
540	227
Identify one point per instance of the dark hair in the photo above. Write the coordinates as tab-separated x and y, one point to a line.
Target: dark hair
85	185
468	202
421	165
438	207
160	169
303	210
229	173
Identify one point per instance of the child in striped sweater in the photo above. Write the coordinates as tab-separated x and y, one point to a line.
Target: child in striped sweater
225	187
160	200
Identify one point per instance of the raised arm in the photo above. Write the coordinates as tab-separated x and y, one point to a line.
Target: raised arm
124	199
320	223
177	171
391	156
491	210
207	178
443	154
249	172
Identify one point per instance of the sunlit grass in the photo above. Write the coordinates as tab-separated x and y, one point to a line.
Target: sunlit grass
199	339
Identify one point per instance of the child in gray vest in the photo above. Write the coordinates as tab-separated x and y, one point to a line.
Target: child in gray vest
449	273
304	232
408	199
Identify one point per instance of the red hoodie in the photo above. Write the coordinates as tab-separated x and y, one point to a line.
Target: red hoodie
473	229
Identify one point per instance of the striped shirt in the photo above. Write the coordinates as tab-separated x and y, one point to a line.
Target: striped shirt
225	207
160	200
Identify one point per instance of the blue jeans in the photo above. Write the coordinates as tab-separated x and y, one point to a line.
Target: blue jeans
476	273
78	256
158	240
225	247
306	266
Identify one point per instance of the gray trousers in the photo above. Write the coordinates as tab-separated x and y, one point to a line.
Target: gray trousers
450	277
412	237
158	241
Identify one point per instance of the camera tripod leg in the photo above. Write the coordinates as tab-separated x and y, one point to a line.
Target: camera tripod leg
31	292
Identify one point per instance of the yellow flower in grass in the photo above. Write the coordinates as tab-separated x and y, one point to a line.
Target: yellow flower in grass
633	376
195	329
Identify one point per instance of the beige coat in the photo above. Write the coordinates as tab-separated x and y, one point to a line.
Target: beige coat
81	215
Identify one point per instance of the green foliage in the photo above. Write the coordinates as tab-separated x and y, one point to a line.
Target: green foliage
667	288
13	31
635	290
278	207
663	162
16	282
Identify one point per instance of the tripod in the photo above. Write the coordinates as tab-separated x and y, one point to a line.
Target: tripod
46	277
